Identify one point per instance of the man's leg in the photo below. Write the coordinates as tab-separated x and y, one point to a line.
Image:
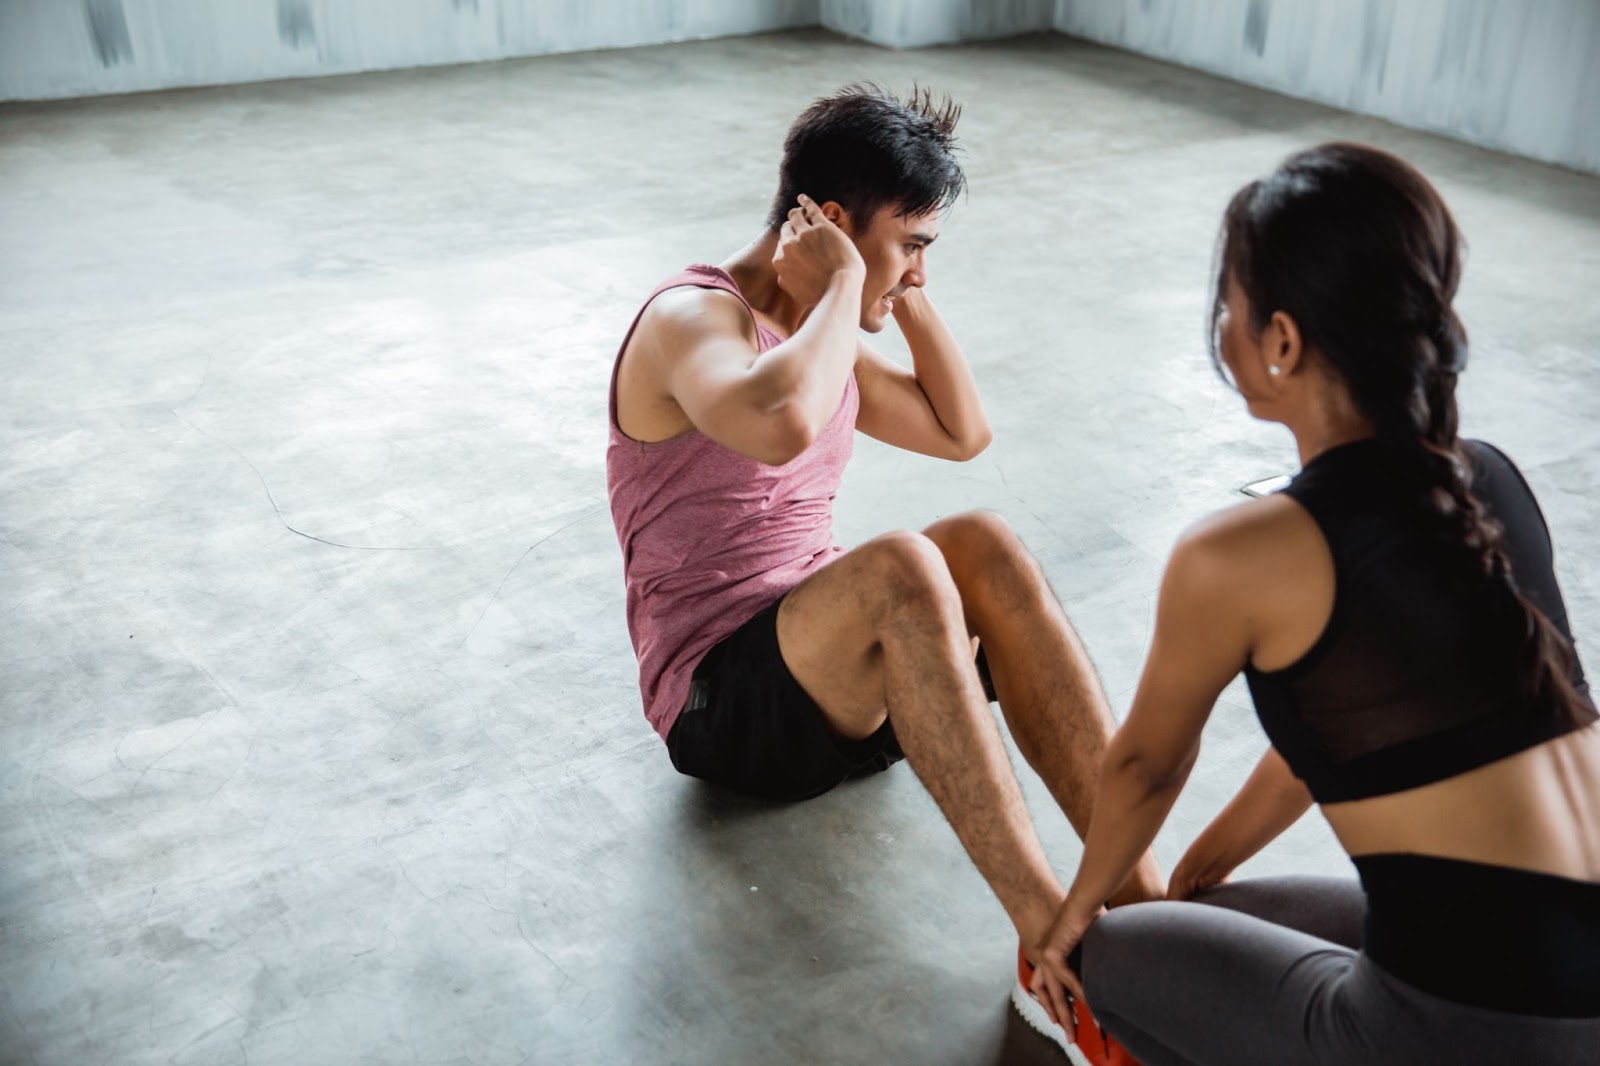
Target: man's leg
1047	686
880	632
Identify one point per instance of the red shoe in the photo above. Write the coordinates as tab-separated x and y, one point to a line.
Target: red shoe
1094	1047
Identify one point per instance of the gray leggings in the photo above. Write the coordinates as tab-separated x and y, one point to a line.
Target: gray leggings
1271	971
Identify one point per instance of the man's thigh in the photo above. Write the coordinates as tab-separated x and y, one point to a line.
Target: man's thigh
755	730
830	627
831	645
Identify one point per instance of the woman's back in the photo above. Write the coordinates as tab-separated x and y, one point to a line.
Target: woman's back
1471	809
1413	680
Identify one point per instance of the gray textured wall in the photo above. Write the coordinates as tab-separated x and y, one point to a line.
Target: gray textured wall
56	48
1519	75
915	23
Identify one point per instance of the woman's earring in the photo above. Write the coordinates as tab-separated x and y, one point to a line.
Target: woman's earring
1274	370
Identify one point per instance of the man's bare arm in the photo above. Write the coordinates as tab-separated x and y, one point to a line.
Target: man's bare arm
933	408
768	406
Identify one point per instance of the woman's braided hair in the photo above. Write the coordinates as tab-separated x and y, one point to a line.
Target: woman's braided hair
1357	247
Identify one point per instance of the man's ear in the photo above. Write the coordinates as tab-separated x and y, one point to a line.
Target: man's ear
836	214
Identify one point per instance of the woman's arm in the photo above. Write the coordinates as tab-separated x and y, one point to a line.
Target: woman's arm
1201	641
1203	637
1270	802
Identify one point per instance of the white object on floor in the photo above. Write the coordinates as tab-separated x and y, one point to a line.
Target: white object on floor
1034	1014
1266	486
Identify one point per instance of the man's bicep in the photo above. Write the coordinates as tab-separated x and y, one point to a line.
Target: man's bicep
703	343
706	353
706	379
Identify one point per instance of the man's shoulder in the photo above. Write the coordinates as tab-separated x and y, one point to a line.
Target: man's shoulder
692	297
690	312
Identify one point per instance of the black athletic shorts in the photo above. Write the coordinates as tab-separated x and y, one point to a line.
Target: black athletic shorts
750	727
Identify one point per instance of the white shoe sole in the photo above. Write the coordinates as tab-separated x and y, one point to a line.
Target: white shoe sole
1034	1014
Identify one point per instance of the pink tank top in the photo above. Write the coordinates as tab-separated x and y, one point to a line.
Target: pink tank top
710	537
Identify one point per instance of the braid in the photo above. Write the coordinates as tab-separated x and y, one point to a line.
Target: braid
1465	528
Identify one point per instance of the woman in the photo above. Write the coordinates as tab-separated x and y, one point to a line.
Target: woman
1395	613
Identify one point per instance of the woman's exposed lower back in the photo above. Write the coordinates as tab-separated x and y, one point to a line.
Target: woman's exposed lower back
1536	810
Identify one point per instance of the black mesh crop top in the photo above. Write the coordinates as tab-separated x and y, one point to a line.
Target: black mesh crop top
1407	685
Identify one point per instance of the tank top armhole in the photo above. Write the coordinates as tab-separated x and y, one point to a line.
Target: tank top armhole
1489	453
1330	629
694	276
1491	456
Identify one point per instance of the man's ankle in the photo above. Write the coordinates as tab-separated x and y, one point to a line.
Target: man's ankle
1035	920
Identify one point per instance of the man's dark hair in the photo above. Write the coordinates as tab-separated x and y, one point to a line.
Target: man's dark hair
867	149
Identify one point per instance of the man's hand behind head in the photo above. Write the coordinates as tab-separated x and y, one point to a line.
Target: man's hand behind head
811	251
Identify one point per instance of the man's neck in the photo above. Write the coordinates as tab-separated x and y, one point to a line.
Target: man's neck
752	270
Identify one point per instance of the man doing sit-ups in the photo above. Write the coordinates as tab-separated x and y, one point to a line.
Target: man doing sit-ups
772	660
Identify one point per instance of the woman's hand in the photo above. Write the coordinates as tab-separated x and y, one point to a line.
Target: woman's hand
1054	983
1198	870
1271	801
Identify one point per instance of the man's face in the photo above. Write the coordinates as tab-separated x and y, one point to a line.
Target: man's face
894	247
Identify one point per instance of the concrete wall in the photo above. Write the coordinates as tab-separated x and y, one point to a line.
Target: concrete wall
915	23
1519	75
56	48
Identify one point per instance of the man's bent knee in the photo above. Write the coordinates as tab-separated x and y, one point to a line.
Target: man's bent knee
975	536
907	569
987	558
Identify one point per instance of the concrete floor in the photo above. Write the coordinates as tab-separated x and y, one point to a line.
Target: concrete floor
321	737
